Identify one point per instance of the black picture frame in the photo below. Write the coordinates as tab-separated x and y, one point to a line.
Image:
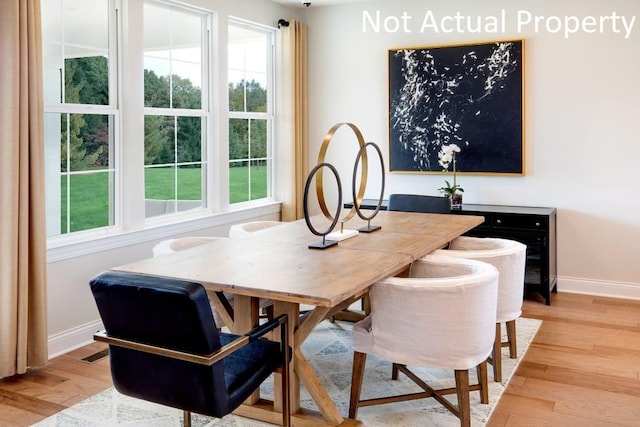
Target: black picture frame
471	95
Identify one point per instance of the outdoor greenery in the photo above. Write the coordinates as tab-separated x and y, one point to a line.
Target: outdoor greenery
169	141
86	82
90	194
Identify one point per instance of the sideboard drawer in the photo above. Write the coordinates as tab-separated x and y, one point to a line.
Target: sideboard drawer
522	222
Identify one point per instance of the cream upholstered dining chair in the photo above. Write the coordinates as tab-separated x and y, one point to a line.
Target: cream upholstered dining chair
170	246
441	316
246	228
509	257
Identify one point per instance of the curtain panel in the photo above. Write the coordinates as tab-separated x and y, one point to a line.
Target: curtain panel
294	117
23	329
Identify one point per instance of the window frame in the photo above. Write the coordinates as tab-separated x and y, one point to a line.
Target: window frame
204	112
269	116
111	110
130	226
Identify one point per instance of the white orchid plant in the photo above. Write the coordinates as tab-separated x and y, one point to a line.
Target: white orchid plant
446	158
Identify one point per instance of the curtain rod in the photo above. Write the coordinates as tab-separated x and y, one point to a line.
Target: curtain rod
283	23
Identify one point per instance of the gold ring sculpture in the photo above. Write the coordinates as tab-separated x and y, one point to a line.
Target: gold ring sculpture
363	178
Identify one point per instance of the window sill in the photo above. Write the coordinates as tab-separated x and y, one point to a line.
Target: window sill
66	247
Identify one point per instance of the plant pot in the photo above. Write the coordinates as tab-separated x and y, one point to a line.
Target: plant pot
456	201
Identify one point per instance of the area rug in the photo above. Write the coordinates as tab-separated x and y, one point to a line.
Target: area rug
329	351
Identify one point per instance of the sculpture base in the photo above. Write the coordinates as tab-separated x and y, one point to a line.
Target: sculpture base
369	229
338	236
323	245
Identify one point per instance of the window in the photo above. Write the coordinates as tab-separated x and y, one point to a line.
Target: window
130	140
80	115
176	109
250	112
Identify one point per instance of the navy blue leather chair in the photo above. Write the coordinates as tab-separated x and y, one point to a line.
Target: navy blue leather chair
165	348
419	203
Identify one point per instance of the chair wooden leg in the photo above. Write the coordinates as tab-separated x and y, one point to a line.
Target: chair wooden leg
462	390
359	360
394	371
496	355
483	381
511	337
186	419
366	304
268	311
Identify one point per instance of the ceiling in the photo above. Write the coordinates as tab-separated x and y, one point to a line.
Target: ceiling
316	3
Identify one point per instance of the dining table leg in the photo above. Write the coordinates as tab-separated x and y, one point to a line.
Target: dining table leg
293	312
246	317
300	372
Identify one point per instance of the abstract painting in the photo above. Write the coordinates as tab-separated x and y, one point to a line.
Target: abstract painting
469	95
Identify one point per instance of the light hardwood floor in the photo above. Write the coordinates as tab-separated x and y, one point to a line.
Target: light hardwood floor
582	369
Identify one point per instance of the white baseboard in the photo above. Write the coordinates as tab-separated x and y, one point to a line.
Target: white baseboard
72	339
623	290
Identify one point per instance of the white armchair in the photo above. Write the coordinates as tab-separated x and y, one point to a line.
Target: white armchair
246	228
509	257
170	246
443	315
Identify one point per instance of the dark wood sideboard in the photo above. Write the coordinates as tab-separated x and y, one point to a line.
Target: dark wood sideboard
533	226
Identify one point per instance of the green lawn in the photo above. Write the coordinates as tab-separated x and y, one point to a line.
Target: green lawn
90	193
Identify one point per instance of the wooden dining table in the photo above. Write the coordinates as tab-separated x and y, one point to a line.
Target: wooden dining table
277	264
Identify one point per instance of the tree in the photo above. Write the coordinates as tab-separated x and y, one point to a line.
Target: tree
159	130
158	147
250	97
247	96
75	151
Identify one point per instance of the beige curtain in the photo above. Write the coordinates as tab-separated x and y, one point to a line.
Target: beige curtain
294	117
23	331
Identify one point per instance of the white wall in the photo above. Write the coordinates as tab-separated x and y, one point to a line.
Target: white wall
582	118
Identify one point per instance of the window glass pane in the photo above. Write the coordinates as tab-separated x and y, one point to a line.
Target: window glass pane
259	178
236	92
238	182
160	183
76	50
248	160
159	141
172	57
87	80
84	142
258	141
248	69
185	94
157	56
156	84
80	185
238	139
256	94
189	139
89	205
189	187
173	184
159	189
